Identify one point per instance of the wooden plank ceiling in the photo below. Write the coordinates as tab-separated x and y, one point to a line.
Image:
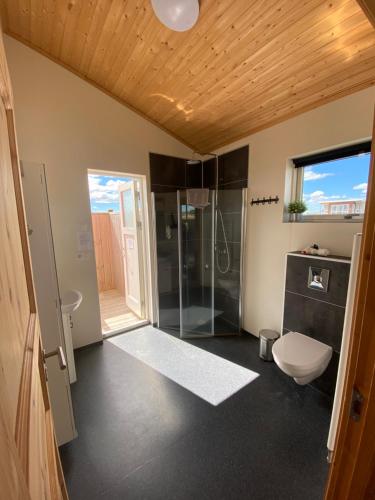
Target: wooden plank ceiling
246	65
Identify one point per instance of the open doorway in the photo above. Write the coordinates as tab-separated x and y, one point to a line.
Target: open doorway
118	220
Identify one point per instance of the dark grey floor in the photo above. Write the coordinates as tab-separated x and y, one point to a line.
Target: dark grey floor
141	436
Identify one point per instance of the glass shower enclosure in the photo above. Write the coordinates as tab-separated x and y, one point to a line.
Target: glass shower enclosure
199	262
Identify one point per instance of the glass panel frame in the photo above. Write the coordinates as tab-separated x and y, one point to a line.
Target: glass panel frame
195	268
231	217
166	261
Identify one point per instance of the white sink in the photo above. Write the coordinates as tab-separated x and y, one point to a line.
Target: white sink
70	301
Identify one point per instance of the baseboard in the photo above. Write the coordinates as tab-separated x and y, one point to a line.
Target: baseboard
81	348
246	332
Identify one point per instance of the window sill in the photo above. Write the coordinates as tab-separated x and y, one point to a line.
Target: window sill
304	220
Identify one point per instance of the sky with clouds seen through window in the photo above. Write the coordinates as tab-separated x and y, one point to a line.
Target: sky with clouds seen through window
337	180
104	192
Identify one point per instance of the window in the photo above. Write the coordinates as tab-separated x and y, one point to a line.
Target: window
333	184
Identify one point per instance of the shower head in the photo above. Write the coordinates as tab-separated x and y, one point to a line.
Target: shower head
195	161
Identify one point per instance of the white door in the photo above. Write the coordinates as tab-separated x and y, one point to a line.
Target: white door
131	232
47	294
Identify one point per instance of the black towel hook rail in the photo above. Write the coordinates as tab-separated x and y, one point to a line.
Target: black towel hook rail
263	201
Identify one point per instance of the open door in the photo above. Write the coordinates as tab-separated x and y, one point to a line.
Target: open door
47	294
131	232
352	472
30	466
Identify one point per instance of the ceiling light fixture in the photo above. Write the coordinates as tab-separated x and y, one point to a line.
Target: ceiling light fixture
177	15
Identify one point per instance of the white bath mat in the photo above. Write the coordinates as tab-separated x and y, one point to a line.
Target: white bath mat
206	375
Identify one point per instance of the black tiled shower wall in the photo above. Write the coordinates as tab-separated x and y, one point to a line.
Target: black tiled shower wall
232	169
194	175
233	166
171	173
232	178
167	173
315	313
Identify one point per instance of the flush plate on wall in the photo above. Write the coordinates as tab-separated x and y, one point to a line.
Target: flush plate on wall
318	279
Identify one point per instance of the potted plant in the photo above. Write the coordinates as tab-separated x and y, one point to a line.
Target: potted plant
295	209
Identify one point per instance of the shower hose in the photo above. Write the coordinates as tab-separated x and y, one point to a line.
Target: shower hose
226	269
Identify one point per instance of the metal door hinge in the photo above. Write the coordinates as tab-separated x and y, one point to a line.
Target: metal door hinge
356	405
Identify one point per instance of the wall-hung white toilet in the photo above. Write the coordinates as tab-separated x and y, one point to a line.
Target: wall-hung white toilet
301	357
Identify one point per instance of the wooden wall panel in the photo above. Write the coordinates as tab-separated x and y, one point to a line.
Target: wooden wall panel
108	253
246	65
103	251
103	245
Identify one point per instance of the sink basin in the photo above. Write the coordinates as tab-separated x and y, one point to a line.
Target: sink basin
70	301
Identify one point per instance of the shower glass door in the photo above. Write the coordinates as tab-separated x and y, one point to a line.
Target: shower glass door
196	273
199	263
167	261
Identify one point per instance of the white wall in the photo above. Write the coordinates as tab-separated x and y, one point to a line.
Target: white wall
71	126
268	238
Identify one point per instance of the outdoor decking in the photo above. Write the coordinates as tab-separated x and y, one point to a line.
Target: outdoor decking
114	312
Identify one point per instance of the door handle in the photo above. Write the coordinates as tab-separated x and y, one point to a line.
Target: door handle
59	353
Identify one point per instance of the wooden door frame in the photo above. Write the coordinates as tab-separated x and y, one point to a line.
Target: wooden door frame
146	244
352	472
368	7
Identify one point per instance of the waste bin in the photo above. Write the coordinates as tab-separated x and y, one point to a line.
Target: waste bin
267	338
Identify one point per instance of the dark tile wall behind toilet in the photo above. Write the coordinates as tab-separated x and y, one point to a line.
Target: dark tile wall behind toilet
315	313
